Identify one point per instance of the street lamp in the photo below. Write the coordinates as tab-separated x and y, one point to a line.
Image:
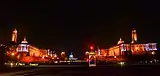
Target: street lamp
153	53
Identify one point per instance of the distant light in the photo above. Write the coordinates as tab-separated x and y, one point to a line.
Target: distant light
11	64
91	47
115	56
1	45
121	63
56	62
153	53
18	56
62	53
87	52
136	48
70	56
12	54
33	64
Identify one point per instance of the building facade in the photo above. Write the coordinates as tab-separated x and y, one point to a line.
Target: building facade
135	48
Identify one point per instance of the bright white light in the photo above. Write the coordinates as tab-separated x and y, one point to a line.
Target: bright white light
136	48
11	64
71	56
12	54
121	63
42	57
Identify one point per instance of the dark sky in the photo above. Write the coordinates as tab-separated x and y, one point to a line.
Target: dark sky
74	25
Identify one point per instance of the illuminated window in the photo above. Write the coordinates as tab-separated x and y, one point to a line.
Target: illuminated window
123	47
136	48
154	46
147	47
23	48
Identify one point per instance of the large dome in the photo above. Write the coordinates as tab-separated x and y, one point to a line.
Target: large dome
120	41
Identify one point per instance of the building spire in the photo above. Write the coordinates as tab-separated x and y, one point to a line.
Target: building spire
25	38
120	39
134	36
14	35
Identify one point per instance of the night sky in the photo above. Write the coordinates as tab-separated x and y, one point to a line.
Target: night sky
73	25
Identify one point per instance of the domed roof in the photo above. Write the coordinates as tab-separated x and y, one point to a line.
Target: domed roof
24	41
15	30
120	41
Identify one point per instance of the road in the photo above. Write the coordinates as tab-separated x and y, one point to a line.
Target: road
93	71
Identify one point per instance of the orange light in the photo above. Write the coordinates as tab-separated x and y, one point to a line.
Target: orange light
18	56
136	48
42	57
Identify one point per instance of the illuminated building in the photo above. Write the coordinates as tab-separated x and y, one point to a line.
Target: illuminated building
34	51
63	56
135	48
24	51
14	35
23	46
50	53
99	51
71	55
63	53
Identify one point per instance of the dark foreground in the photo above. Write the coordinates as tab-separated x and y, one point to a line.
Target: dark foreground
94	71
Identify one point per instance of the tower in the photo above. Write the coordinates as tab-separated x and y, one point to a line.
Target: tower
134	36
14	35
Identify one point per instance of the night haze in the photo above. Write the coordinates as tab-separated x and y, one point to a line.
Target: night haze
72	26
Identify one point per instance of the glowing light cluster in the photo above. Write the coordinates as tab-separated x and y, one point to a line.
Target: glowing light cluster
91	47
